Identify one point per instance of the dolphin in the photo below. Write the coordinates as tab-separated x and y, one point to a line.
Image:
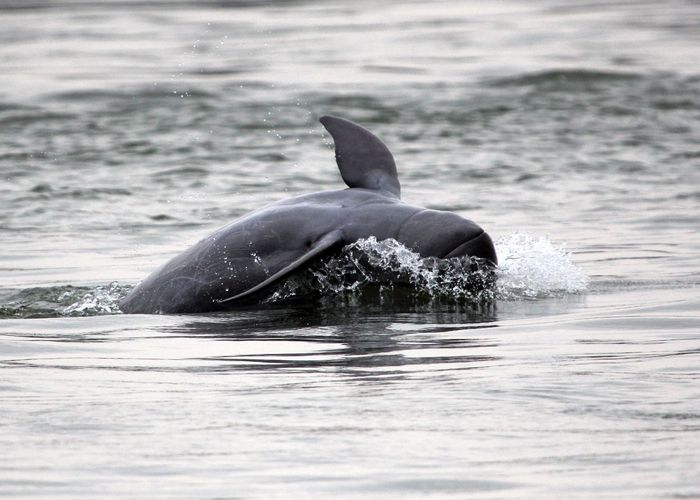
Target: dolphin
239	262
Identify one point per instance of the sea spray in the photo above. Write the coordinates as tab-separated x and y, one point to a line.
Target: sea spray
96	301
67	300
369	266
532	266
529	267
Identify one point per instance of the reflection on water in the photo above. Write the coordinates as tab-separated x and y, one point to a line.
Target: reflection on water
351	337
343	400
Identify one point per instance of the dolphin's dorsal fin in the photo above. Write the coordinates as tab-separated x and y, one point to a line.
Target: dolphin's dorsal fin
364	161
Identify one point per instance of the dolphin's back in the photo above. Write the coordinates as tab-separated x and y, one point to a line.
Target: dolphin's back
196	278
250	250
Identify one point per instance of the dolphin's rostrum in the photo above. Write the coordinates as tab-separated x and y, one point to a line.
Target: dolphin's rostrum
251	253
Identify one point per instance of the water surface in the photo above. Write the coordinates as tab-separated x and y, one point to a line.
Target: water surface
128	131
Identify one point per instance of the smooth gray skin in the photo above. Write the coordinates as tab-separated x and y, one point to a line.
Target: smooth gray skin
248	255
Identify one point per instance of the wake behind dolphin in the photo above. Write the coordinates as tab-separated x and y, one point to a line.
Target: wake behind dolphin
243	259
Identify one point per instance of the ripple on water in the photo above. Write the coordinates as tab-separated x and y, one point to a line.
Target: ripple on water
46	190
565	79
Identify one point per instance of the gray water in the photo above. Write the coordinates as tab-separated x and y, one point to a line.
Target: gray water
569	131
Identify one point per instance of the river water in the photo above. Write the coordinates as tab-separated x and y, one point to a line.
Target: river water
130	130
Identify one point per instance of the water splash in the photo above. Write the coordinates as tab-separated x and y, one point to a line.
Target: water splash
378	271
43	302
530	267
533	267
387	267
96	301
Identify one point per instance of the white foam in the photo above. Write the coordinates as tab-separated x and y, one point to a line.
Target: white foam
531	266
97	301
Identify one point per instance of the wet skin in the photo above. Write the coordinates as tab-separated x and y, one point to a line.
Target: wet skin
241	260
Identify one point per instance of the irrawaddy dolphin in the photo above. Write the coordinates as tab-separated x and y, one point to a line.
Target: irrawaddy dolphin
240	261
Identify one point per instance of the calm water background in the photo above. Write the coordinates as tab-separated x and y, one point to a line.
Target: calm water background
130	130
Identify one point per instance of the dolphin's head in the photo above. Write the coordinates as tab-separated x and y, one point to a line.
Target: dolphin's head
434	233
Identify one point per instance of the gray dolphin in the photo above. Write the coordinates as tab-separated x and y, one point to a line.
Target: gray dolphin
259	249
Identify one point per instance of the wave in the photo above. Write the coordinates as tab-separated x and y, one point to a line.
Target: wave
530	267
390	269
368	272
562	77
49	302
